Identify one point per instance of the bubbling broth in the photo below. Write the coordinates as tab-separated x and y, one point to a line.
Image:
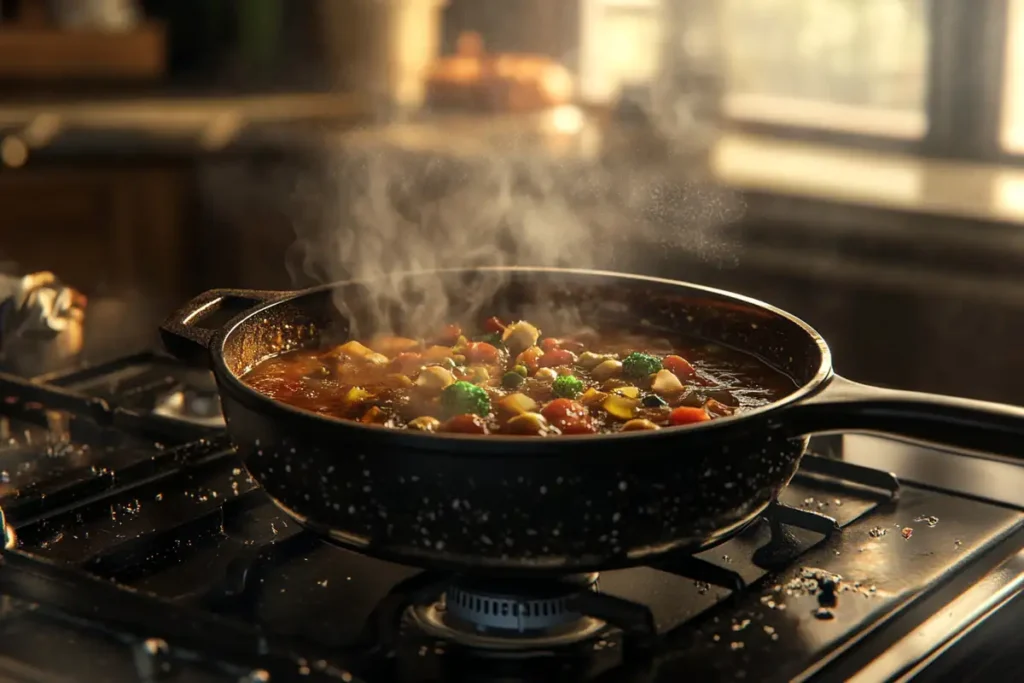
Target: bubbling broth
510	379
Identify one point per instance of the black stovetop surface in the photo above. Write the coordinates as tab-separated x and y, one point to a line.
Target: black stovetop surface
143	549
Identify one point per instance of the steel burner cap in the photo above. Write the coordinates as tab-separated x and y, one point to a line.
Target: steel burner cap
511	615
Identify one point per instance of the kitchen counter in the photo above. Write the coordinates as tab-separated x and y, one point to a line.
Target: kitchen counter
857	177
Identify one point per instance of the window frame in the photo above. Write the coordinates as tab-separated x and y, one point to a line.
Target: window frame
965	93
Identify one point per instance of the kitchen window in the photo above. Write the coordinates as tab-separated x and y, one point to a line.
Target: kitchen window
853	65
620	46
936	78
1012	128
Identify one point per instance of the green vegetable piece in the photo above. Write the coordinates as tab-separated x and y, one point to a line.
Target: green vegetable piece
653	401
492	338
567	386
511	380
639	365
464	398
521	370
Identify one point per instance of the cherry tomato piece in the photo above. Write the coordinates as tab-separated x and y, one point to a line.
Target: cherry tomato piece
465	424
494	325
406	363
684	415
556	357
481	352
678	366
529	359
549	343
448	335
569	416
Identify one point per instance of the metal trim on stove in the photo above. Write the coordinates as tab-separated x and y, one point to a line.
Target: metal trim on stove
947	625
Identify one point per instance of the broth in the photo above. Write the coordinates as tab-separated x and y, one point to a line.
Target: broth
509	379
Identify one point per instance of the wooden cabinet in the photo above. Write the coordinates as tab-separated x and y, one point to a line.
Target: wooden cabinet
107	230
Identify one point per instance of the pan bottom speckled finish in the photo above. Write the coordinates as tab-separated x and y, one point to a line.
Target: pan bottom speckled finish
540	506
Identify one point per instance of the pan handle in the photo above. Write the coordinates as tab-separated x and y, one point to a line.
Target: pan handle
182	334
960	423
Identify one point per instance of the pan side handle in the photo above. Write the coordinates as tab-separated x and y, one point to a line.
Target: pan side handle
944	421
182	332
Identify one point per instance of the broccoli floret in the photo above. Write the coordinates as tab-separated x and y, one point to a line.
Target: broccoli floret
567	386
463	398
511	380
638	365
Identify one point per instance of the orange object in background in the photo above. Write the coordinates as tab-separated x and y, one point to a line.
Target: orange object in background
472	78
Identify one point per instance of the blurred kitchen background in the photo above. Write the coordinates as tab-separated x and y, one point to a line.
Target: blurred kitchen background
857	162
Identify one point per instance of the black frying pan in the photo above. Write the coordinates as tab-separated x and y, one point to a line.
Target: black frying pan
530	506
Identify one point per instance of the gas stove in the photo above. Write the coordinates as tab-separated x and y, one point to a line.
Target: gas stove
138	548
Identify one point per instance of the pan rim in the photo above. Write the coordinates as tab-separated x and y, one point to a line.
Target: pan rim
437	441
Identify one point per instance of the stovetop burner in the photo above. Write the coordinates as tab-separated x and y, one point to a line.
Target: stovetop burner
511	615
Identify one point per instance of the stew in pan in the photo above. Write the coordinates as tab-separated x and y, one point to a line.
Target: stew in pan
509	379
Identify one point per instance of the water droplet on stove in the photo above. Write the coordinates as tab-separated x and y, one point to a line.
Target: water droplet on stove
768	629
735	645
236	471
155	646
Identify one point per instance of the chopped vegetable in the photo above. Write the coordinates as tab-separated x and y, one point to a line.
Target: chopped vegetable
407	363
653	401
666	382
434	378
494	325
628	392
679	367
465	424
492	338
567	386
465	398
481	352
521	370
517	403
448	335
477	374
425	423
684	415
557	357
593	397
529	358
436	354
356	395
639	425
530	424
717	408
397	380
512	380
520	336
640	365
606	370
374	416
546	375
568	416
357	351
392	346
620	406
589	360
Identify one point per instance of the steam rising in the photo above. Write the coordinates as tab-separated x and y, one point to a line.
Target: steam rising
388	209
